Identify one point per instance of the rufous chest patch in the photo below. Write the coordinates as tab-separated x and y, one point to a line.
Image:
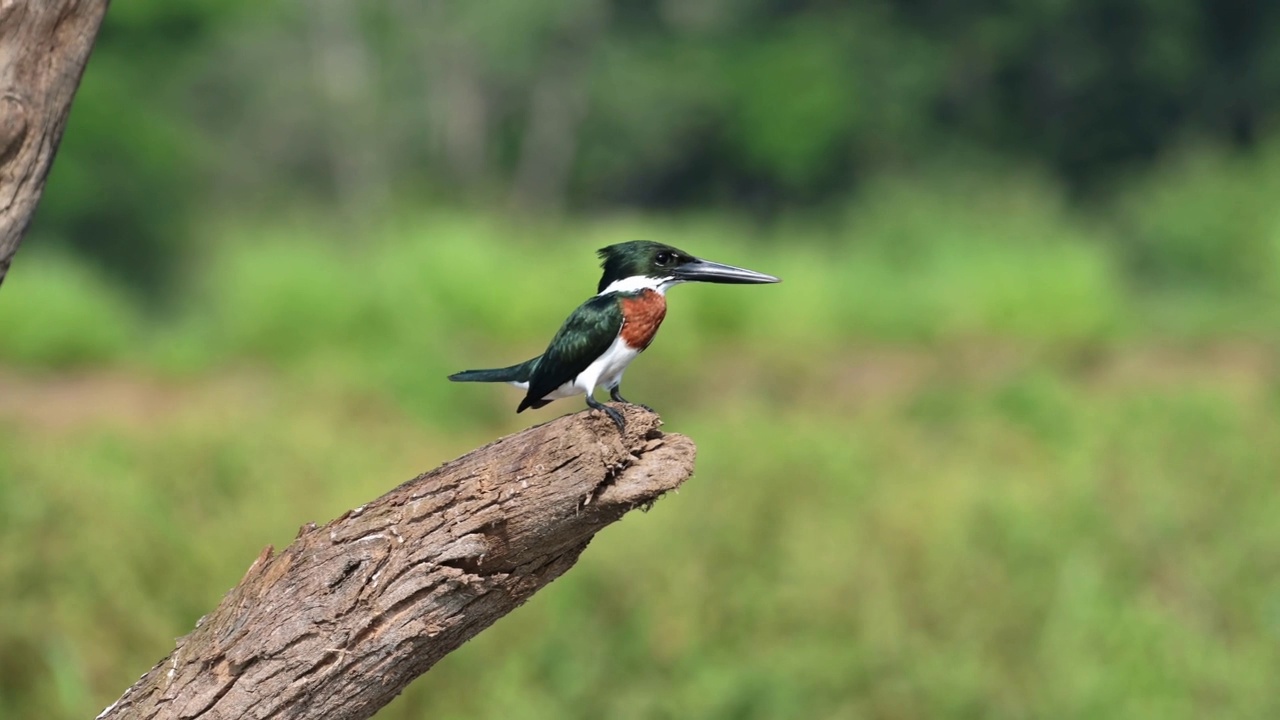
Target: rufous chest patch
642	314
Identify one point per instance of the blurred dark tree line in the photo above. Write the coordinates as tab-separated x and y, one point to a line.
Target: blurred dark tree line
197	108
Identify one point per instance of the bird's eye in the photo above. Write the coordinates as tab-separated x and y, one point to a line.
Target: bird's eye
665	258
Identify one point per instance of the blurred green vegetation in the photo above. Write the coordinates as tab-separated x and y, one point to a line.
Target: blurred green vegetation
959	463
760	107
1003	444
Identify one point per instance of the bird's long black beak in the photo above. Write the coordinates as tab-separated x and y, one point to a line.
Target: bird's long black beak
706	271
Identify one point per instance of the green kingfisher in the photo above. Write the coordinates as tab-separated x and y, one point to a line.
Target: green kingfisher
600	339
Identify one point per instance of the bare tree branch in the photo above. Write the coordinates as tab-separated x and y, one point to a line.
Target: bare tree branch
44	45
337	624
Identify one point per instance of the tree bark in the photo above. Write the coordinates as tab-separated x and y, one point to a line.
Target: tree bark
44	45
337	624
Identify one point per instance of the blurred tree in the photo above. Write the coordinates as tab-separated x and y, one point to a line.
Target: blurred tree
756	104
130	173
557	108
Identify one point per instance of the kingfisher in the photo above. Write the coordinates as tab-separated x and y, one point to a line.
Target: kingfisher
599	340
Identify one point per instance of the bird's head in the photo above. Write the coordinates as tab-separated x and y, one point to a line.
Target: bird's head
644	264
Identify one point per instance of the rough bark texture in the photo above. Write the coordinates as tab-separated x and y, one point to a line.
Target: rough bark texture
337	624
44	45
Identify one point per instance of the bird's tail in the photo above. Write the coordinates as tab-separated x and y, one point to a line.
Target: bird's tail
515	373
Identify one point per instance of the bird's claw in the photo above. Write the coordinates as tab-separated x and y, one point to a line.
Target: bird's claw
616	417
613	414
617	397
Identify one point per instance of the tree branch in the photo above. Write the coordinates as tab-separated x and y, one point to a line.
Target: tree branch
44	45
337	624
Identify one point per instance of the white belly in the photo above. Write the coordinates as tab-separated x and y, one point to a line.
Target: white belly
606	371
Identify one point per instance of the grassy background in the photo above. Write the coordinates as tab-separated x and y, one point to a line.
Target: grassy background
979	455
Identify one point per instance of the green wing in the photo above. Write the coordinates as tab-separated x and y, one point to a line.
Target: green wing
585	336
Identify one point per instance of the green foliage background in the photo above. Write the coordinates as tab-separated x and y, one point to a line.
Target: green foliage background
1003	444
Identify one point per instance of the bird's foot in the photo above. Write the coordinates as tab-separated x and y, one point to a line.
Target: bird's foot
617	419
617	397
614	415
